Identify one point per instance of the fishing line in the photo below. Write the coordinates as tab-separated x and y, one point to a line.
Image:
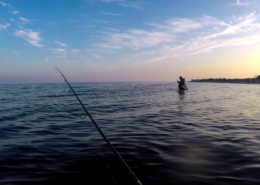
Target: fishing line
106	164
83	116
130	172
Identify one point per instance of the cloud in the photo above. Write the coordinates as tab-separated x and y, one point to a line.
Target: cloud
107	13
135	5
112	29
101	21
178	37
4	26
181	25
17	52
148	53
207	46
71	20
85	27
108	46
61	44
199	45
184	36
24	19
74	51
247	23
100	50
12	20
125	3
14	12
62	53
157	59
178	25
94	55
30	36
135	39
3	3
244	3
46	59
108	1
166	32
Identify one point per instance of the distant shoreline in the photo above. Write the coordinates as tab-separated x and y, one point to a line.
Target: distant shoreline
224	80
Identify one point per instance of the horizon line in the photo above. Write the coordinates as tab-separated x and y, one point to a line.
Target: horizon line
82	82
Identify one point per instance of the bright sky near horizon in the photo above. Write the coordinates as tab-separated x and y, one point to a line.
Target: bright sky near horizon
128	41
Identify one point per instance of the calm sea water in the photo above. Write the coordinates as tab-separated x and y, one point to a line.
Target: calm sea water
209	135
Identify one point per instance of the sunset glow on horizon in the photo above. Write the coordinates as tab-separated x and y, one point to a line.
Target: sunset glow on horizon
128	41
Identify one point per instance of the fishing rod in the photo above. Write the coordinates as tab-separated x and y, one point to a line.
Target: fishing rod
131	173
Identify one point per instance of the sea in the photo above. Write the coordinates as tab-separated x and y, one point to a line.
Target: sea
208	135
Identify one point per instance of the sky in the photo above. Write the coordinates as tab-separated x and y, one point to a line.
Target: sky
128	41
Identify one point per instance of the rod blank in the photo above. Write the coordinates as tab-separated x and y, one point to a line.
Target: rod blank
131	173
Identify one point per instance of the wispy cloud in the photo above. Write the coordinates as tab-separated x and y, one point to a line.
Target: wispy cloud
148	52
62	53
99	50
135	5
108	46
85	27
183	37
245	24
4	26
107	1
181	25
107	13
61	44
46	59
125	3
73	20
112	29
243	3
17	52
167	32
94	55
211	41
30	36
24	19
101	21
3	3
12	20
14	12
199	45
135	39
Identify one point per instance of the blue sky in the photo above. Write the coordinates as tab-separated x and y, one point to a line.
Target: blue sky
123	40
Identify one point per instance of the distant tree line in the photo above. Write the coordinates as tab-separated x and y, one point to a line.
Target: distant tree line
256	79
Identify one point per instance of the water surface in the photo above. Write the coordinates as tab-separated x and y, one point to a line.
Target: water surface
209	135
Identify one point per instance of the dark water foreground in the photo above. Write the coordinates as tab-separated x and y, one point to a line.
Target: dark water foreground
209	135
